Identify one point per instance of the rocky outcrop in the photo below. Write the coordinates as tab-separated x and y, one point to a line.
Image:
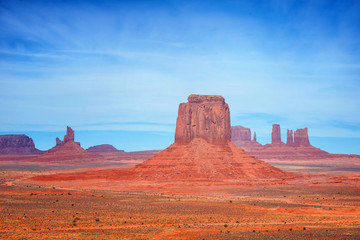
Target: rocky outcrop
70	135
276	134
290	138
203	116
17	144
104	148
58	141
240	133
254	139
67	150
202	150
301	137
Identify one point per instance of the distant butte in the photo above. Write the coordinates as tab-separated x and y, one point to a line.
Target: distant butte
67	149
297	146
17	144
104	148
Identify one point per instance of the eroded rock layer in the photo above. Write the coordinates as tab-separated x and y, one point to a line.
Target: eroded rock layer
203	116
17	144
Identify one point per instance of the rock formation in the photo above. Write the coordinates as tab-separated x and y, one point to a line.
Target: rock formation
70	135
104	148
58	142
202	150
203	116
17	144
276	134
290	139
67	150
240	133
301	137
297	147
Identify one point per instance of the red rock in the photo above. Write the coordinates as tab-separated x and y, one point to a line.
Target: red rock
203	116
70	135
17	144
58	141
203	151
290	139
301	137
276	134
254	139
67	150
104	148
240	133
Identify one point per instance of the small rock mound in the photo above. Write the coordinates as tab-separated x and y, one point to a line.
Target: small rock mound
104	148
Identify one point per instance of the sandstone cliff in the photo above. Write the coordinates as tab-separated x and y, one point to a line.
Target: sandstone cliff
240	133
290	138
202	150
301	137
203	116
276	134
17	144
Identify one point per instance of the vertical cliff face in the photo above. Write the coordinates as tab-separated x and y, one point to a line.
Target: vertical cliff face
203	116
290	139
70	135
17	144
240	133
301	137
275	134
254	139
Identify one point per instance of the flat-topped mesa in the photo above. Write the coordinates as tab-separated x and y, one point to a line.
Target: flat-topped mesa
301	137
203	116
240	133
17	144
290	139
275	134
70	135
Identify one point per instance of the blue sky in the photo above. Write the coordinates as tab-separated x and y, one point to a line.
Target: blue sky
126	65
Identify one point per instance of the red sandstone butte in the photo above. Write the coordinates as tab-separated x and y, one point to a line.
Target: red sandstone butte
301	137
17	144
240	133
67	150
290	138
276	134
203	116
203	150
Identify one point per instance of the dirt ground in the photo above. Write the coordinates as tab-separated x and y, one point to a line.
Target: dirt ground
322	212
104	209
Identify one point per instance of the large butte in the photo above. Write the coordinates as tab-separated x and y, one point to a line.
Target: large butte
202	150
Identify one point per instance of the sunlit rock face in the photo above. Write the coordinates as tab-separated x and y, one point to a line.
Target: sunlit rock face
203	116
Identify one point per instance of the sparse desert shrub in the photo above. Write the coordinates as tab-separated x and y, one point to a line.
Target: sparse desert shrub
304	228
225	225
